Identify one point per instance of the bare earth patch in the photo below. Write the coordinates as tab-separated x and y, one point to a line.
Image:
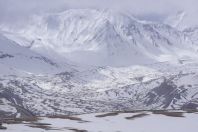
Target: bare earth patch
77	130
108	114
137	116
19	120
169	113
66	117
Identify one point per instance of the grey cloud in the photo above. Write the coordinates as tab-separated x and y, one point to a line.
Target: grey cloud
146	9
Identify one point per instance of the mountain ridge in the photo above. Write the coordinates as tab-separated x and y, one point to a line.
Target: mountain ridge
104	35
85	61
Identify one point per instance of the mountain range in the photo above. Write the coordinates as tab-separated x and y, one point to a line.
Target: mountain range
88	60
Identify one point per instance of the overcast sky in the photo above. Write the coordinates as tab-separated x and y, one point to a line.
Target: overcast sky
146	9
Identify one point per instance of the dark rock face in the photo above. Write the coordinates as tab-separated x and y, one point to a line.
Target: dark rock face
15	101
165	94
2	127
65	76
7	94
2	56
192	105
44	59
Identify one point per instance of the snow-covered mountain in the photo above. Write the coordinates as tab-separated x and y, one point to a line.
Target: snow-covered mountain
104	37
15	58
82	61
177	20
192	33
181	20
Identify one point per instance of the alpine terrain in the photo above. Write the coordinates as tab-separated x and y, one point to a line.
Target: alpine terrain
93	60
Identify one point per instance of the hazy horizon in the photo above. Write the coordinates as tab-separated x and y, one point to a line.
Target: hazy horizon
155	10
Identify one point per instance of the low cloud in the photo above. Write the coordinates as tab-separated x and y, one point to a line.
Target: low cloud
155	10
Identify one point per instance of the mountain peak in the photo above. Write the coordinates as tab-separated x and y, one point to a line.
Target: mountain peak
176	20
105	37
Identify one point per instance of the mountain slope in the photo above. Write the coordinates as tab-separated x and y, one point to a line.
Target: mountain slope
104	37
16	58
177	20
192	34
116	62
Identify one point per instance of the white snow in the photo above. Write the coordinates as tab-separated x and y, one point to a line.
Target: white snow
176	20
102	37
113	58
151	122
4	106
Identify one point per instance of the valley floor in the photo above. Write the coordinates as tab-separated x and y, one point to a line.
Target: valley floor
155	121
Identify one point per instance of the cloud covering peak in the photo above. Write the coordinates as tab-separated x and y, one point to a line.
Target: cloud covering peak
152	10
